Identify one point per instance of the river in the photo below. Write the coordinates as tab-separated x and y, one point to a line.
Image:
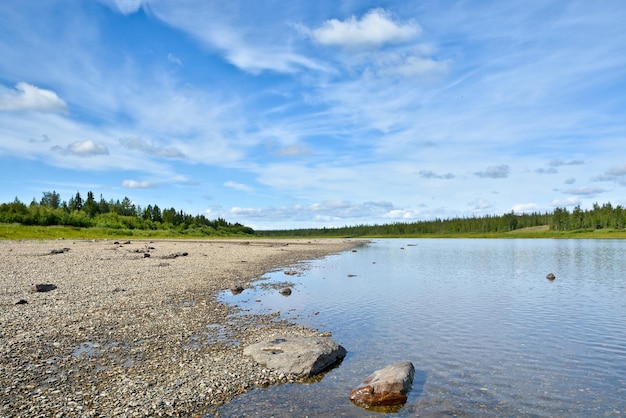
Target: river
488	334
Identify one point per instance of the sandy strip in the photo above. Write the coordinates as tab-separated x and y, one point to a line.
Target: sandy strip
130	334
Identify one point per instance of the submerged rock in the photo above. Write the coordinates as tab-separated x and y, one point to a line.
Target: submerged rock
285	291
388	386
302	356
550	276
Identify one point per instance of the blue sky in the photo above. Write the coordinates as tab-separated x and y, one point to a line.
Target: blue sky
281	114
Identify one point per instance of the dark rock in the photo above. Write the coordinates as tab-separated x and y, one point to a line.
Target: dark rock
146	255
175	255
301	356
42	287
550	276
235	290
59	251
21	302
285	291
388	386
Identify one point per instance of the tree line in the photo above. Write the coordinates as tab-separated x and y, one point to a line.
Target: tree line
91	212
599	217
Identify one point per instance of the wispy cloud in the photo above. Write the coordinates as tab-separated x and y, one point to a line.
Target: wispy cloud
585	191
615	174
151	149
560	163
238	186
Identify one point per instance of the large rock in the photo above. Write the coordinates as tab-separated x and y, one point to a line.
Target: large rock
302	356
388	386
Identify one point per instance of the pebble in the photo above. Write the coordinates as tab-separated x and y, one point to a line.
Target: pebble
88	350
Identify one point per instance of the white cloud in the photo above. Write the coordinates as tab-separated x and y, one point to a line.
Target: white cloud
336	210
402	214
86	148
570	201
29	97
525	207
134	184
375	28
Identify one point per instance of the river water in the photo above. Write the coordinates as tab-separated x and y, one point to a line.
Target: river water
488	334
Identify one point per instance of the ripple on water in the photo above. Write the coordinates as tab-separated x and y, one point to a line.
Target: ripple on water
487	333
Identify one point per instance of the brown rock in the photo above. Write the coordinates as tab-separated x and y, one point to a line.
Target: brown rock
384	387
550	276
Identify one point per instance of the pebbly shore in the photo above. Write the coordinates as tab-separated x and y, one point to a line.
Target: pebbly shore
135	328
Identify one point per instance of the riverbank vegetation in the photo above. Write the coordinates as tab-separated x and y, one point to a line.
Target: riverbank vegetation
606	221
51	217
77	217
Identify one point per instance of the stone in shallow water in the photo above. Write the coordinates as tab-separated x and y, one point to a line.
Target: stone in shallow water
388	386
302	356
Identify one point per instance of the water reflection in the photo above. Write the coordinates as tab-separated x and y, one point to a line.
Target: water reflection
488	333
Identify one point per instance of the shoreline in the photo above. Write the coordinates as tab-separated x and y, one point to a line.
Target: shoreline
135	329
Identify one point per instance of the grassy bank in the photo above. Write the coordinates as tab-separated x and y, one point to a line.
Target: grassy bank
18	231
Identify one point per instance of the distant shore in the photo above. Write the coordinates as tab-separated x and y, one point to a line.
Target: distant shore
135	328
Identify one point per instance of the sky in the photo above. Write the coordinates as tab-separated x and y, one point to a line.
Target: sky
311	114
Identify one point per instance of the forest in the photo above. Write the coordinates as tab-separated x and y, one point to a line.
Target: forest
599	217
50	210
124	214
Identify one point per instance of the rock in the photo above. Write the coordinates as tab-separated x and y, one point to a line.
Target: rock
21	302
388	386
59	251
235	290
42	287
175	255
550	276
302	356
291	272
285	291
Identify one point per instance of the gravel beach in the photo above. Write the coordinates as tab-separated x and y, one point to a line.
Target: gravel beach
135	328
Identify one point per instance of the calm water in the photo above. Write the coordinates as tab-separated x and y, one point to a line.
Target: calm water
487	333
